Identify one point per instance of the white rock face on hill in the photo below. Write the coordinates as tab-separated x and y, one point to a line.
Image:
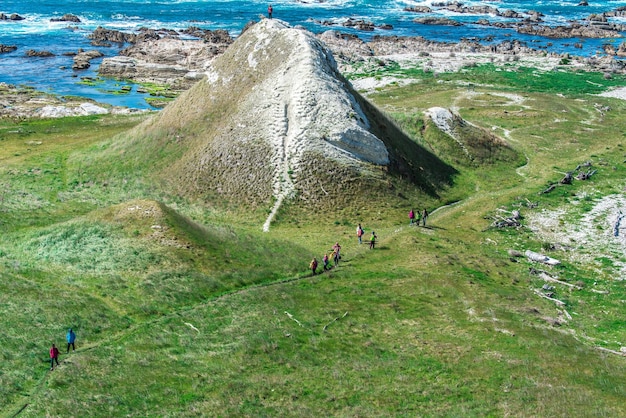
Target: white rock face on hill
305	105
291	102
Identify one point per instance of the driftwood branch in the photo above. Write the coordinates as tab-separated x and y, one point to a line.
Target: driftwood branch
335	320
531	205
619	353
567	179
294	319
549	189
558	302
513	220
586	175
192	327
540	258
545	276
567	314
602	292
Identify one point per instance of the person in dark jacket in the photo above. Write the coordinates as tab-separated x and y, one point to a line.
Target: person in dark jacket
54	356
70	337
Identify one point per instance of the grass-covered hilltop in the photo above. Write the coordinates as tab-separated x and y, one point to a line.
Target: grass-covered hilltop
177	244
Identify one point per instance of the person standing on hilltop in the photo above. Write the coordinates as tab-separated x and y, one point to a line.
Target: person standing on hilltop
54	356
270	10
70	337
359	233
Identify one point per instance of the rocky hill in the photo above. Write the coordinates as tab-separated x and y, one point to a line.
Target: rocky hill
274	120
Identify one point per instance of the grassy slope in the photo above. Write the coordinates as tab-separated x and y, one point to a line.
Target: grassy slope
436	321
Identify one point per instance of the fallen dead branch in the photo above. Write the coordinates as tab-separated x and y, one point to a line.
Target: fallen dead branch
548	278
567	179
585	175
335	320
531	205
558	302
619	353
513	220
540	258
192	327
294	319
567	314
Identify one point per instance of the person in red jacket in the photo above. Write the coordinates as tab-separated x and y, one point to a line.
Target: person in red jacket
270	10
54	356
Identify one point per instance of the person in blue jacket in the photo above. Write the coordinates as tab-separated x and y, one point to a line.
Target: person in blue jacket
70	337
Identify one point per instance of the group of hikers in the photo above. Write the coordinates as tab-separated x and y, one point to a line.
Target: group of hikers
70	337
336	251
336	256
415	217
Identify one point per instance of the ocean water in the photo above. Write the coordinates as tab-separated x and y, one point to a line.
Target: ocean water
55	74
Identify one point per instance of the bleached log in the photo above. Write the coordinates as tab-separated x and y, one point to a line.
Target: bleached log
567	314
294	319
540	258
602	292
619	353
558	302
531	205
545	276
192	327
336	319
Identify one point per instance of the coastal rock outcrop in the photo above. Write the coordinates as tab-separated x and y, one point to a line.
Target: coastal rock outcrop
21	102
346	46
66	18
83	58
41	54
7	48
164	59
12	16
439	21
575	30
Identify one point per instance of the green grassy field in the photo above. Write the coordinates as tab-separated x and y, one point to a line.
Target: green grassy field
184	308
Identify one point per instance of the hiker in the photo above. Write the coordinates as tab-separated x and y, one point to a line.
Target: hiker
418	216
373	240
54	356
411	217
313	265
326	260
70	337
270	10
359	233
336	255
424	216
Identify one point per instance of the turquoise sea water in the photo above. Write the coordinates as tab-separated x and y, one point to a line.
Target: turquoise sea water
55	74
